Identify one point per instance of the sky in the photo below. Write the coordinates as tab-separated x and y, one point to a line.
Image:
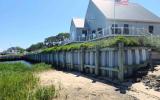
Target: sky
26	22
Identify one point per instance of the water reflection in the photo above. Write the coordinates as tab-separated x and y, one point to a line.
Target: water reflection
19	61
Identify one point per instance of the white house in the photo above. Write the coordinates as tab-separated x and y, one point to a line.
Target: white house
107	18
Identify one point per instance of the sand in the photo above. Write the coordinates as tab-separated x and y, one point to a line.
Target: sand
76	86
73	86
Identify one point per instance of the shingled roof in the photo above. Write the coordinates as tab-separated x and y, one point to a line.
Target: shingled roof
130	12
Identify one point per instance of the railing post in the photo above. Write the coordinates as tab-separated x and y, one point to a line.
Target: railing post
97	55
121	61
109	30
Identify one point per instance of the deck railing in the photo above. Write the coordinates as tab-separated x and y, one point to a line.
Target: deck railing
110	32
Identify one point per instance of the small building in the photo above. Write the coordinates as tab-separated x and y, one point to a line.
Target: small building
109	17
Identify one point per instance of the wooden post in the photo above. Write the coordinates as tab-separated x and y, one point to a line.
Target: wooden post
137	56
150	59
72	59
51	61
57	62
64	59
111	63
48	58
121	61
97	55
43	57
130	59
82	60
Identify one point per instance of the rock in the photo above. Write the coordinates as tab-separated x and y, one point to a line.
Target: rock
138	80
152	82
156	89
158	80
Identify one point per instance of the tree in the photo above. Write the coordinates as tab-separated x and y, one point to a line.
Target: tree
13	50
55	40
49	42
63	36
35	47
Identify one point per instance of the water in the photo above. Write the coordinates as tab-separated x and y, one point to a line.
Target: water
19	61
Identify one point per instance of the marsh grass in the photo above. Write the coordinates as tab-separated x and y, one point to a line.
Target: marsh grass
41	67
17	82
45	93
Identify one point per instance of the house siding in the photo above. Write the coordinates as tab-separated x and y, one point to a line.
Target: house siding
136	25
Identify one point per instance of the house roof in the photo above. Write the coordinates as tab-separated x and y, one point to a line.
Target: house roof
130	12
78	22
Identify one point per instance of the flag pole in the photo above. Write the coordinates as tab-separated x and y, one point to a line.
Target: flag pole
114	16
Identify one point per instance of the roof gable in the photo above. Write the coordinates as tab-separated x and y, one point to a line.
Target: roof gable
130	12
79	23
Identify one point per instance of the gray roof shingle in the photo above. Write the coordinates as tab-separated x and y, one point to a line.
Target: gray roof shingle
130	12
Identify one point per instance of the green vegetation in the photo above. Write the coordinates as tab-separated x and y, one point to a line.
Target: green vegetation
110	42
40	67
45	93
35	47
48	42
57	38
13	50
17	82
154	42
54	40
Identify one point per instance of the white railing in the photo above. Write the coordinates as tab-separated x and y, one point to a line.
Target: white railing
111	32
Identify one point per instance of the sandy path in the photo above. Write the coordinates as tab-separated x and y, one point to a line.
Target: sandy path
77	87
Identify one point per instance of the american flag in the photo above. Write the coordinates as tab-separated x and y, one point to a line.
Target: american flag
122	2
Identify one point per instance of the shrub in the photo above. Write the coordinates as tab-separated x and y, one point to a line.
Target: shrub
128	41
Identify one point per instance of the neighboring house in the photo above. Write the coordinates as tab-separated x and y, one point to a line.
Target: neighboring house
105	18
13	50
77	27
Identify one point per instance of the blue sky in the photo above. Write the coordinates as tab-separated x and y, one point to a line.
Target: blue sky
24	22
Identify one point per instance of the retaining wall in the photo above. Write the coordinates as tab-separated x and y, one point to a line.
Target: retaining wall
11	57
114	63
155	56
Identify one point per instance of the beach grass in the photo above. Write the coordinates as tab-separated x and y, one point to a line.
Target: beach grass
17	82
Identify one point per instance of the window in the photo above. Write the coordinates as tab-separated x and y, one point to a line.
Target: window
93	31
99	30
151	29
84	32
126	29
93	34
114	28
